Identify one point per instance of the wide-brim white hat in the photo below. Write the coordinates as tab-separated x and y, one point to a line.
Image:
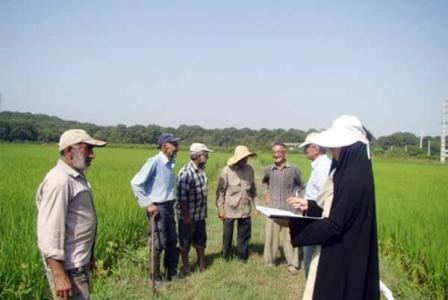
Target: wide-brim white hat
345	130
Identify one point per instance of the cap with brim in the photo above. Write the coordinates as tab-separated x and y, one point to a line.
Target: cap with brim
198	147
167	138
77	136
240	153
345	130
309	139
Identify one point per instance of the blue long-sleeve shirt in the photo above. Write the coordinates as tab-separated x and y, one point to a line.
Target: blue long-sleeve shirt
155	182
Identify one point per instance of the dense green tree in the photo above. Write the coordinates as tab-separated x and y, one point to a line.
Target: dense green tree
15	126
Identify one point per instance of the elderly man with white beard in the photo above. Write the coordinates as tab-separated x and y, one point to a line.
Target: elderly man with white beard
66	218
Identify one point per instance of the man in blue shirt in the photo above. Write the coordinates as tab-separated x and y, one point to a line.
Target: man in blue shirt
154	188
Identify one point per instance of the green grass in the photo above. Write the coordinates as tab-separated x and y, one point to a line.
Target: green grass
413	218
412	221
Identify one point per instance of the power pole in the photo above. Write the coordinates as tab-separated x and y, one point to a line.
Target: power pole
429	147
443	153
421	139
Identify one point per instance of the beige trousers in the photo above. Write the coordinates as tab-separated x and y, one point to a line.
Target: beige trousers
276	236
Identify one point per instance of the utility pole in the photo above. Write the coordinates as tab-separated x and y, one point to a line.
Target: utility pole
421	139
429	147
443	153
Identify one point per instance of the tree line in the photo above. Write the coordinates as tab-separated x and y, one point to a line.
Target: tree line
20	127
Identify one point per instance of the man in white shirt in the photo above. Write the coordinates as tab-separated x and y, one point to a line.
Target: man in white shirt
66	218
320	169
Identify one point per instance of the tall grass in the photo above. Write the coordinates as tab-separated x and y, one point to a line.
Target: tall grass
412	209
121	223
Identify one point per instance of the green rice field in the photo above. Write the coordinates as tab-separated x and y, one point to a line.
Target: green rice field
412	217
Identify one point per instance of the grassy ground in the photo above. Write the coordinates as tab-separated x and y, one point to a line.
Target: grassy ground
411	204
221	280
230	280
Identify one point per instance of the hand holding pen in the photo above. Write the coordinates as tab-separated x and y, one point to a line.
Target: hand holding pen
298	203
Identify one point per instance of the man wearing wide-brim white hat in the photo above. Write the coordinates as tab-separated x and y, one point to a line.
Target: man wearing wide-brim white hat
66	218
235	194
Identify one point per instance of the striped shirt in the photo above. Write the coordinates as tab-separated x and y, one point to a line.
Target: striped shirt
281	184
192	188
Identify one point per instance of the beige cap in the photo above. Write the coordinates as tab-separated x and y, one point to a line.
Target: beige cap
240	153
309	139
198	147
75	136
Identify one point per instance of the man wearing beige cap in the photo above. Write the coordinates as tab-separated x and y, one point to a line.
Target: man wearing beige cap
192	205
66	218
235	194
320	169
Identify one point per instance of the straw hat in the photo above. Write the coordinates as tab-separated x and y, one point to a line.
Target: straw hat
345	130
240	153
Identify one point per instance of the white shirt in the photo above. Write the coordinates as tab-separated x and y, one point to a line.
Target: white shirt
319	174
66	219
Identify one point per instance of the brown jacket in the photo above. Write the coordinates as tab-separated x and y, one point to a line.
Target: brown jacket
235	192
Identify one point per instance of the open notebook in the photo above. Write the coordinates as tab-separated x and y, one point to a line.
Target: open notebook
275	213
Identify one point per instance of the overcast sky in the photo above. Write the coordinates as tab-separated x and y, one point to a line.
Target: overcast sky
274	64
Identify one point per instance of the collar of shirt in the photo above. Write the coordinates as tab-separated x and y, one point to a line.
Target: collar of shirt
67	169
193	165
318	160
287	165
166	161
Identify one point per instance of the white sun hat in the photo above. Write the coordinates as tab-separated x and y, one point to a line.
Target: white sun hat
309	139
345	130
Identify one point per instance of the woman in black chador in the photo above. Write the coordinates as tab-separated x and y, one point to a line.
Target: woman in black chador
345	266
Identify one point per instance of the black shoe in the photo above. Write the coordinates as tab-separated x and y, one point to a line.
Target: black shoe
173	278
243	260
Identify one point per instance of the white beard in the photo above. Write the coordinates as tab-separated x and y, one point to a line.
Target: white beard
79	160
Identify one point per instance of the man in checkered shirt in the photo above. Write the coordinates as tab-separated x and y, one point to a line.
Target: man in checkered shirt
192	206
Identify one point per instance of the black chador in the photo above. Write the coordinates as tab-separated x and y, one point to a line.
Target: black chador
348	264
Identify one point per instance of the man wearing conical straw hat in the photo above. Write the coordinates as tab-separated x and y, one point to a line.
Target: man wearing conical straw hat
235	195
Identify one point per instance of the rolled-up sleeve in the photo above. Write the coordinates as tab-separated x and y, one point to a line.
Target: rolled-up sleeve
51	219
141	184
221	189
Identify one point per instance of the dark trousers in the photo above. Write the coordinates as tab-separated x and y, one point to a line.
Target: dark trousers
244	232
165	239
